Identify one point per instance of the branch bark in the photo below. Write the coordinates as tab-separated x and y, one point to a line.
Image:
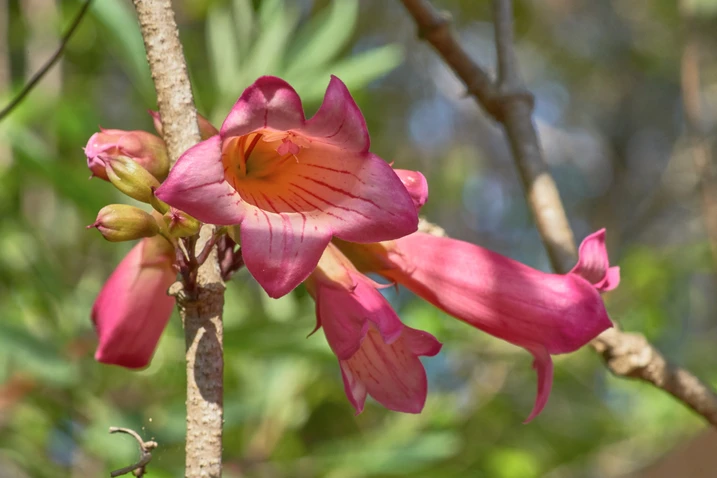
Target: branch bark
508	102
200	304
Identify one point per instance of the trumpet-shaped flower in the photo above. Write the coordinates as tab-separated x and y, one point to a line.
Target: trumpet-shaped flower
133	307
291	183
378	355
543	313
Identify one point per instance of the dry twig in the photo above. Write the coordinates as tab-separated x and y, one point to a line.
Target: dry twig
200	304
145	454
508	102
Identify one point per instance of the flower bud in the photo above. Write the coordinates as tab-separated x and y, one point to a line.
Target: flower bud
181	224
145	148
131	178
121	222
415	184
206	130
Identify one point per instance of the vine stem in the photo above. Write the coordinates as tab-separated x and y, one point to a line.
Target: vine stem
200	304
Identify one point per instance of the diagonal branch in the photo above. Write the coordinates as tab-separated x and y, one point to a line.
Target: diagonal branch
509	103
48	64
200	302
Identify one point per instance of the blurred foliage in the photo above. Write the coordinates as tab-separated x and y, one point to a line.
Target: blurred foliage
606	76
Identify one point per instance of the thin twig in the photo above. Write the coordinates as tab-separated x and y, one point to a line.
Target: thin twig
625	354
201	307
145	454
30	85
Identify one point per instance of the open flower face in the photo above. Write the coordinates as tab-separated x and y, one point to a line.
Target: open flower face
291	184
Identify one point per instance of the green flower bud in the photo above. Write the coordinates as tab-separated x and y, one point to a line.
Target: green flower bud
122	222
131	178
181	224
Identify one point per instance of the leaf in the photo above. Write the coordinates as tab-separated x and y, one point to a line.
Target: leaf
122	25
40	358
357	71
323	37
244	25
221	43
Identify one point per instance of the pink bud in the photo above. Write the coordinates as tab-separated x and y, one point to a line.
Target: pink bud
148	150
133	307
416	185
206	129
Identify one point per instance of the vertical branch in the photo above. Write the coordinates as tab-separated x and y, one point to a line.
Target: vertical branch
200	304
697	137
507	101
516	115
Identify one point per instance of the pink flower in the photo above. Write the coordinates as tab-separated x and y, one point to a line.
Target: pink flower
291	183
145	148
378	355
133	307
543	313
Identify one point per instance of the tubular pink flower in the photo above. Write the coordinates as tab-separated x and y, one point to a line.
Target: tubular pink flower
291	183
543	313
145	148
133	307
378	355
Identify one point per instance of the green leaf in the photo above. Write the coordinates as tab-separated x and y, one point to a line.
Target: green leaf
122	25
244	25
40	358
357	71
221	43
323	37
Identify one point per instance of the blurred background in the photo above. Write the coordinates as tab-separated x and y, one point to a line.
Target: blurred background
626	100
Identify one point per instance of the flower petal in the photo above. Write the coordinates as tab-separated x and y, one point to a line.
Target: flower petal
354	387
133	307
196	185
339	120
391	373
593	263
269	102
543	365
280	250
415	184
358	196
498	295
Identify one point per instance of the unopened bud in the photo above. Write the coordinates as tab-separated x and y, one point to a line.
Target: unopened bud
415	184
206	130
131	178
181	224
122	222
145	148
158	205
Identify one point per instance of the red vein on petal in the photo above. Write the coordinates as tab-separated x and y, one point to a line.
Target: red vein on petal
271	229
271	205
344	192
329	213
388	368
341	171
329	202
303	216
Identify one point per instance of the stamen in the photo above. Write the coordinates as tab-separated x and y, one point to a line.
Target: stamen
242	157
252	145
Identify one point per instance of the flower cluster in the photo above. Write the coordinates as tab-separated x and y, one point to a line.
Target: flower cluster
305	201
